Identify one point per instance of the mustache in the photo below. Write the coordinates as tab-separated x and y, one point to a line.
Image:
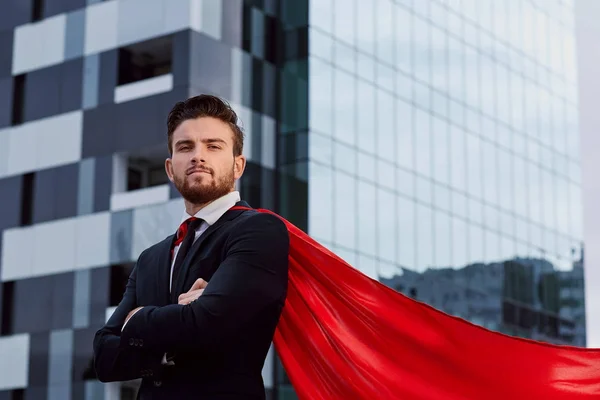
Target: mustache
191	170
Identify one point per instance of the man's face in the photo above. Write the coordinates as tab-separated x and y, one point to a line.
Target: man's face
203	167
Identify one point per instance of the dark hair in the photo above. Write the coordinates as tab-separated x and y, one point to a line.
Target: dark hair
205	105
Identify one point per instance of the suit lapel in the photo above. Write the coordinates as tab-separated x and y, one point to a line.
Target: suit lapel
228	216
164	270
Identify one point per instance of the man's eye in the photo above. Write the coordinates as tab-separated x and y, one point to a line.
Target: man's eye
184	148
212	146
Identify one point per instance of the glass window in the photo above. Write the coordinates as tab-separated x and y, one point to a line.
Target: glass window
366	116
536	237
505	182
439	103
491	217
345	158
385	174
403	28
516	101
488	85
368	266
548	199
320	148
386	77
439	62
474	166
423	142
365	30
442	197
345	210
520	144
386	225
488	128
366	166
475	208
492	247
366	67
456	69
534	151
321	96
460	205
456	113
472	74
534	193
575	203
572	132
421	49
320	202
424	190
489	172
321	45
422	95
344	20
405	182
345	57
321	14
442	253
441	150
345	107
404	86
506	222
404	134
385	30
522	229
424	237
366	214
455	23
386	133
476	243
460	243
458	167
405	252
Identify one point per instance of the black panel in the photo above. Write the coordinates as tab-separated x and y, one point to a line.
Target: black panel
269	90
42	93
99	295
102	183
8	298
210	65
14	13
10	193
232	26
6	46
44	202
36	393
107	80
32	313
6	395
27	198
138	124
257	84
83	366
181	58
78	390
38	359
71	83
62	300
6	95
65	191
99	130
18	99
55	7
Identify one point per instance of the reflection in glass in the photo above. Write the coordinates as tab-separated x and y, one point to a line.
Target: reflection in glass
345	105
344	210
366	116
366	201
404	134
320	202
386	225
425	248
406	243
423	142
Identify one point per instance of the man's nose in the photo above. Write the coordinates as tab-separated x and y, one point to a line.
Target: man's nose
198	155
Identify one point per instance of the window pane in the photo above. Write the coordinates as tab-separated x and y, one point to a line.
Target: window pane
386	224
366	116
345	105
406	233
366	218
320	197
404	134
423	142
345	210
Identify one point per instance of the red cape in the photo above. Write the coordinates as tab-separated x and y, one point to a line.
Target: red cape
343	335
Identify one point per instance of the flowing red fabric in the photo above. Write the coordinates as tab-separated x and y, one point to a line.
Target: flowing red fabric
343	335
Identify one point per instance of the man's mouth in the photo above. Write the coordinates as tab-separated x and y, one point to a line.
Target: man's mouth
198	171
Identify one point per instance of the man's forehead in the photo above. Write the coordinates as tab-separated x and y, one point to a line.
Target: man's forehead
201	129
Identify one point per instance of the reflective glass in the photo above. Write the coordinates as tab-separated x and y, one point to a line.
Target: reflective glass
321	96
403	38
406	242
367	212
344	209
385	30
386	224
423	142
321	14
421	50
442	252
365	30
460	243
404	134
366	116
345	102
320	202
425	248
344	20
440	150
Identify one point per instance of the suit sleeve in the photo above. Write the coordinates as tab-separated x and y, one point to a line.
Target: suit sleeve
252	277
113	362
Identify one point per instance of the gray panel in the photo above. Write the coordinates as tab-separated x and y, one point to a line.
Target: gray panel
232	26
102	183
139	124
75	35
93	1
14	13
81	299
44	199
59	392
60	357
10	193
71	77
181	58
121	232
257	42
62	300
210	65
55	7
6	89
107	77
99	126
42	93
94	390
65	192
85	186
91	79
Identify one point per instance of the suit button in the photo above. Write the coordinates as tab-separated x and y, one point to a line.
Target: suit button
157	383
141	342
131	342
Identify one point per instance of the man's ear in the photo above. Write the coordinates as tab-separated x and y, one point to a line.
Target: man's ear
169	168
239	165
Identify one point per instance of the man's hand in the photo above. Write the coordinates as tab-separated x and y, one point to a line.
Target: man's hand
194	292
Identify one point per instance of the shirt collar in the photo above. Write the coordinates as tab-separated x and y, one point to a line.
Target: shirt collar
215	210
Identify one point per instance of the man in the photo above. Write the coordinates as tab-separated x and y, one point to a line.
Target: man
200	308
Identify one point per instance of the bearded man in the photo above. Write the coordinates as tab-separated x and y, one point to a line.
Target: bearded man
200	307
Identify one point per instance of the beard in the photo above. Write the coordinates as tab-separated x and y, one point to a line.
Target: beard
196	190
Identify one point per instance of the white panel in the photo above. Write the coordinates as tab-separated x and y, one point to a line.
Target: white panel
140	197
92	235
39	44
153	224
4	140
54	249
144	88
17	257
196	14
14	363
58	139
22	149
119	173
177	18
140	20
101	27
211	18
27	48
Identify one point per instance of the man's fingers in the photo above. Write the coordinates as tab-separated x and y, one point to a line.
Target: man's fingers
186	298
199	284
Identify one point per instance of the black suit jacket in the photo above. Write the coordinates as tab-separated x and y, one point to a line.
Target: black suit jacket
220	341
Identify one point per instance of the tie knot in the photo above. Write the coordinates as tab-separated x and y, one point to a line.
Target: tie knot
190	223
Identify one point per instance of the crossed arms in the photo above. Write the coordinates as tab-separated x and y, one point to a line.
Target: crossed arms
252	276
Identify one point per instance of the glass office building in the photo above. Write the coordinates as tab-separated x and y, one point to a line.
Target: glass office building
433	144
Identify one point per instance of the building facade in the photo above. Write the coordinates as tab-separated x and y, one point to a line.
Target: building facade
432	144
